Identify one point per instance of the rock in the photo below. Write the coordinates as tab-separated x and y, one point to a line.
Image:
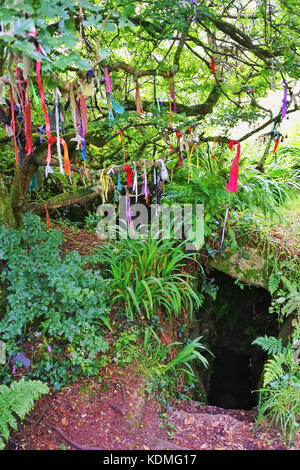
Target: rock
134	412
161	444
248	268
64	421
20	357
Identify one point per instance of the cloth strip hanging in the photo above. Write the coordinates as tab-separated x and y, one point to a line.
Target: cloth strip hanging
179	136
84	118
135	184
213	68
283	112
129	174
47	216
55	94
232	183
156	99
163	172
27	120
145	189
119	183
121	138
129	213
107	80
25	104
276	145
224	225
67	166
47	121
13	125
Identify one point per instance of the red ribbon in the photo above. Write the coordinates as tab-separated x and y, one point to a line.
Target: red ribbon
129	173
47	216
232	183
26	109
276	145
213	68
47	120
27	119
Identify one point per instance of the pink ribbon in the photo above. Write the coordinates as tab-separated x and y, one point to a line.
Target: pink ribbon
232	183
107	80
47	120
84	115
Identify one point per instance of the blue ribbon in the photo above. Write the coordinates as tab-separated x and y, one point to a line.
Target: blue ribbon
82	143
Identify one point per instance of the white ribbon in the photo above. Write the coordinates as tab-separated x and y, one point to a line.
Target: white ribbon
135	185
163	172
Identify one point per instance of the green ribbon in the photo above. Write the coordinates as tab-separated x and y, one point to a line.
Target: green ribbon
155	88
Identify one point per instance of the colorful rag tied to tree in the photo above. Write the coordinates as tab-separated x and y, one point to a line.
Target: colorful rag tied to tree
129	213
232	183
193	2
213	68
283	112
47	216
180	147
25	105
46	116
129	174
145	190
117	108
13	124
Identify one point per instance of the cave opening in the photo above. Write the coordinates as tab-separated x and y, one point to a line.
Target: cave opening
239	314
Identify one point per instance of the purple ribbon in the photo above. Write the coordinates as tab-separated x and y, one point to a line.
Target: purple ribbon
173	98
145	190
129	214
283	113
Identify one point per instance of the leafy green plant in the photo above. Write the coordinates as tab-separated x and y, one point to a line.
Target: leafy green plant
280	403
147	273
279	397
91	221
65	296
62	300
17	399
186	355
270	344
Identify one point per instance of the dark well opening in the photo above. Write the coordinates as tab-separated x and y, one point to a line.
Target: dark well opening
237	316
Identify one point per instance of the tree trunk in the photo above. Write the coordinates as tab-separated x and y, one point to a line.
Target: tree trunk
6	213
11	203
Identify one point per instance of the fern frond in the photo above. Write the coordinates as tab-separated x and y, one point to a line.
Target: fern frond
292	305
270	345
19	399
274	368
273	283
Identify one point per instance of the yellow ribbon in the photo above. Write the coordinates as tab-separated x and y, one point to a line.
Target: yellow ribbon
104	181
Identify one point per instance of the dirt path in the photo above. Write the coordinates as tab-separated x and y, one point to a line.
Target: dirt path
116	414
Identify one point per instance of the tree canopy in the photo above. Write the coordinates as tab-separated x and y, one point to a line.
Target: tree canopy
175	68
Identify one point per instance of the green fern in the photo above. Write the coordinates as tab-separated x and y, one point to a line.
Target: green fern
292	305
273	283
17	399
270	344
275	368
